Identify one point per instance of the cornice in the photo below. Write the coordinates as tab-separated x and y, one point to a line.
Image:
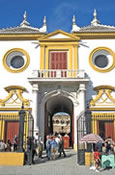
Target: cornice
21	36
74	36
59	43
15	109
58	40
102	109
95	35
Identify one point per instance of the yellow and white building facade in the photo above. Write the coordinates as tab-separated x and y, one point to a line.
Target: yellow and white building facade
57	72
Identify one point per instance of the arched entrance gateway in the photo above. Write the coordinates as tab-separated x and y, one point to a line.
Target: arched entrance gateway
52	96
59	117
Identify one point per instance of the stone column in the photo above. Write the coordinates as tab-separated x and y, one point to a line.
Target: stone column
81	106
82	90
35	90
75	105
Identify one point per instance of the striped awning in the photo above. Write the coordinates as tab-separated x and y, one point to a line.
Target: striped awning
91	138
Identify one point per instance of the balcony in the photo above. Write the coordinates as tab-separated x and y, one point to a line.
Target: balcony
58	75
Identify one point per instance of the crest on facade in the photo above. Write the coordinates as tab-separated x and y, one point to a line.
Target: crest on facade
14	98
105	97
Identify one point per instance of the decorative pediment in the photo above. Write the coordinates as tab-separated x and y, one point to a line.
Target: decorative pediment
14	98
104	97
59	35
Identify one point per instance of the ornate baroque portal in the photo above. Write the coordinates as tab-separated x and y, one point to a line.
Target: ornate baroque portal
9	113
103	115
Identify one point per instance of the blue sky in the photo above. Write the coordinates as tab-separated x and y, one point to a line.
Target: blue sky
58	12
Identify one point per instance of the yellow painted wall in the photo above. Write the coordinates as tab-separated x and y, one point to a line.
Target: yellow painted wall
89	159
26	128
94	126
2	129
11	158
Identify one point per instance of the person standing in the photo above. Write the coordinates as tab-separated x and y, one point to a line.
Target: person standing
15	142
53	148
97	159
8	145
57	139
30	151
41	146
48	147
61	147
2	146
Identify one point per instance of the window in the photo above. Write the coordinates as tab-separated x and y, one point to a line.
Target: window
102	59
57	121
16	60
58	60
62	122
68	122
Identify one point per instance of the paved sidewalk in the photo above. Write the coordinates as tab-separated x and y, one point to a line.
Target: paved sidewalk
60	166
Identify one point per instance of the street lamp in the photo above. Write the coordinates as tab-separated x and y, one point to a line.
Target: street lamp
21	128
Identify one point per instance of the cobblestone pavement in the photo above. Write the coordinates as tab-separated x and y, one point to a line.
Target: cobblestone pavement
60	166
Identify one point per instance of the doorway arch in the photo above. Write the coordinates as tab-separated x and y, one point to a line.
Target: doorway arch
58	103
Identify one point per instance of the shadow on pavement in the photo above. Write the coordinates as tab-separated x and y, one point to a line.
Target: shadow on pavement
44	159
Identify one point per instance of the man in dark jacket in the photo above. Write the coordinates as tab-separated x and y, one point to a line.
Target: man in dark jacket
30	150
61	147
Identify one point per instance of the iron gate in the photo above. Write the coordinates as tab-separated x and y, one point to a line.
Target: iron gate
9	126
83	128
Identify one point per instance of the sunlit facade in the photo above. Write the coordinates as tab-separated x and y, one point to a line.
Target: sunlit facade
57	72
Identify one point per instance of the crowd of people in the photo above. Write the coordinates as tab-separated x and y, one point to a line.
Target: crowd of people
35	147
53	145
7	147
106	148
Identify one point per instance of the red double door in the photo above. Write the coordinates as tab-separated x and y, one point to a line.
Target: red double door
109	130
11	129
58	60
106	128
